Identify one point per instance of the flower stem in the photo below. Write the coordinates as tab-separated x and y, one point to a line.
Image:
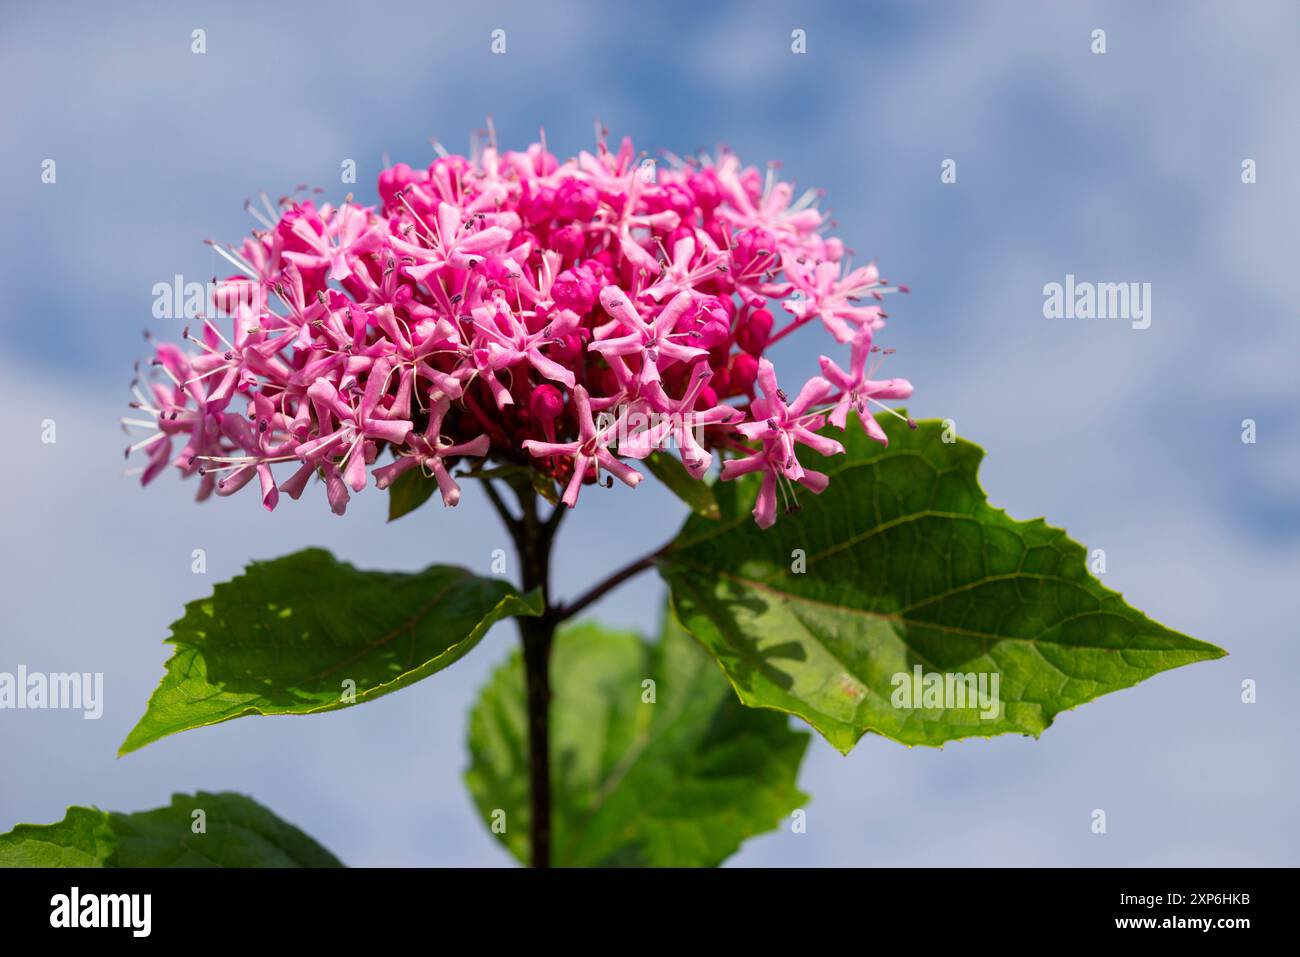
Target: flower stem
537	634
533	539
606	585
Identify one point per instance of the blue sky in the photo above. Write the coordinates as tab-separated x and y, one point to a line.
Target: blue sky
1117	167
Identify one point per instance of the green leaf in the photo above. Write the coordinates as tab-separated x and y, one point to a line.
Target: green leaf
307	633
408	492
82	839
236	832
681	781
544	486
696	493
907	565
517	476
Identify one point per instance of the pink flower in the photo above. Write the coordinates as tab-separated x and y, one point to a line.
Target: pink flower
346	232
857	389
452	240
653	340
681	421
770	207
588	450
502	340
428	451
352	425
780	426
696	259
491	305
835	300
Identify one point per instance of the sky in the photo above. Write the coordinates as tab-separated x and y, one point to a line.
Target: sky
1123	166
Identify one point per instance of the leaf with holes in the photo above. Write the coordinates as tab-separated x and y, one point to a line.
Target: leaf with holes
306	633
885	602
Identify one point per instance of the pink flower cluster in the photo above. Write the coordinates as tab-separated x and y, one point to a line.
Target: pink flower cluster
515	308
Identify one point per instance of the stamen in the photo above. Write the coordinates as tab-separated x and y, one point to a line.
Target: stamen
144	442
401	195
217	332
234	259
168	372
893	412
257	214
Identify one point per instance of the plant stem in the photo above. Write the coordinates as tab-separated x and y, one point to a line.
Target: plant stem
533	539
537	634
510	522
600	589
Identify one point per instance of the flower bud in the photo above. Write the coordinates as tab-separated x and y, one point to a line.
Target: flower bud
393	180
546	403
576	200
753	334
744	370
704	185
575	289
568	241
